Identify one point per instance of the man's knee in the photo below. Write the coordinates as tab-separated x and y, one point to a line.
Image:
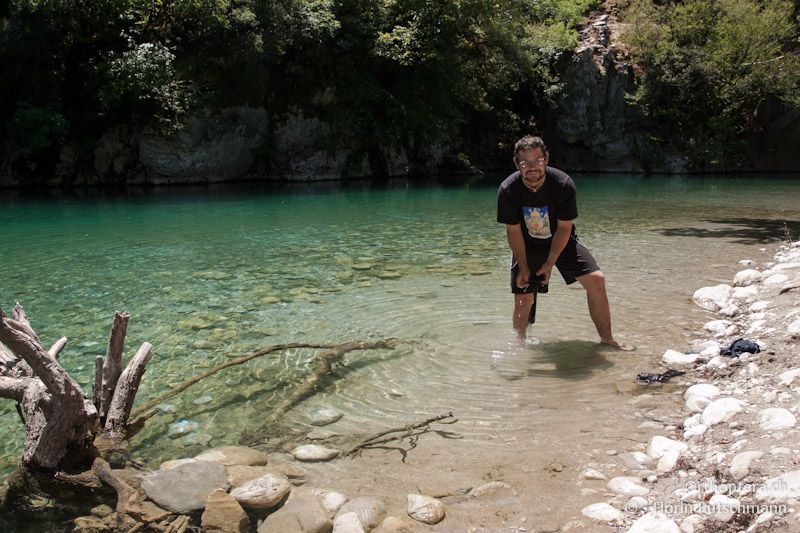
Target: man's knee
593	281
523	300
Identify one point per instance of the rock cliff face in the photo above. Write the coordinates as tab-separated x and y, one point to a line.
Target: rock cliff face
594	127
210	148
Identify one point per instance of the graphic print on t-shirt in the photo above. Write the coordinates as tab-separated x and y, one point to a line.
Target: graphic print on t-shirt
537	220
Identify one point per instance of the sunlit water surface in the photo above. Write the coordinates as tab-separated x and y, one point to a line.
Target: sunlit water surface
210	275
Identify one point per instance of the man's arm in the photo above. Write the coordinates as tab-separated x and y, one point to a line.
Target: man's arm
516	242
560	239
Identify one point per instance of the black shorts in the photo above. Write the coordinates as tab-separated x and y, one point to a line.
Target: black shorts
574	261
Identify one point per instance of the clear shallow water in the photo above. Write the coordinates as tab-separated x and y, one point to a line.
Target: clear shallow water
214	274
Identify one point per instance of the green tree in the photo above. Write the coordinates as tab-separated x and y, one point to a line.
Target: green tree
707	66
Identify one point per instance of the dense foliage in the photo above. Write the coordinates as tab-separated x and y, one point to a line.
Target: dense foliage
707	69
405	71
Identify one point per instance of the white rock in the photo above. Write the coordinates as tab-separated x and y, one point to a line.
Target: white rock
713	298
717	327
330	500
695	431
692	523
637	503
730	310
781	488
744	294
746	262
699	396
794	328
603	512
627	486
668	461
759	306
721	410
717	362
692	421
659	445
740	466
756	326
773	418
788	377
313	452
724	507
425	509
676	358
654	523
347	523
591	473
323	417
780	450
770	396
762	519
746	277
776	279
264	492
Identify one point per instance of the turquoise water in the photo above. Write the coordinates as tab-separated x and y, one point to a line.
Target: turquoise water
211	274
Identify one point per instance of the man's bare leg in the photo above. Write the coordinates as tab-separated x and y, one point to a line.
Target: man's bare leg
522	308
599	310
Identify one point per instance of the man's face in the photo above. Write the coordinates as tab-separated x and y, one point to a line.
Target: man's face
531	164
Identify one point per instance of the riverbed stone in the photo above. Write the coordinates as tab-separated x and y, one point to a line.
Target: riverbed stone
724	506
301	514
323	417
713	298
332	501
793	329
745	294
627	486
321	434
603	512
746	277
265	492
592	474
740	466
780	488
174	463
654	523
774	418
313	452
676	358
238	475
397	524
233	455
699	396
347	523
788	377
370	510
721	410
660	445
425	509
223	514
185	489
775	279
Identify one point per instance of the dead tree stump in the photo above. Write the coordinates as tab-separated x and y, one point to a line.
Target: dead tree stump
61	423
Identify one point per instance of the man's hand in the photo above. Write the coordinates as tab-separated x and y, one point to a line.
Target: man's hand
523	277
546	270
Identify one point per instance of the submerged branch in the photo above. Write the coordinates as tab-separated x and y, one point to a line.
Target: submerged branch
143	409
405	432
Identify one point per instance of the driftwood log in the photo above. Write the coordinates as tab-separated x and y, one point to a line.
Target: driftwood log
61	423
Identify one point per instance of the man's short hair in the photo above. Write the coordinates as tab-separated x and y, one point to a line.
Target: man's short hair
529	142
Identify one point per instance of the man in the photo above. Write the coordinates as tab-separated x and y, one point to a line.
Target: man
537	204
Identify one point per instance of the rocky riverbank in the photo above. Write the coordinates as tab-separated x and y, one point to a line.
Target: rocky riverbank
728	459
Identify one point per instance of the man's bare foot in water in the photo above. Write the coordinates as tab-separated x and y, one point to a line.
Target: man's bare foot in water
614	344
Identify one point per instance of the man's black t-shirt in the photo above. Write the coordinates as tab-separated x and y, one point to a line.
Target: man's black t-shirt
538	212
